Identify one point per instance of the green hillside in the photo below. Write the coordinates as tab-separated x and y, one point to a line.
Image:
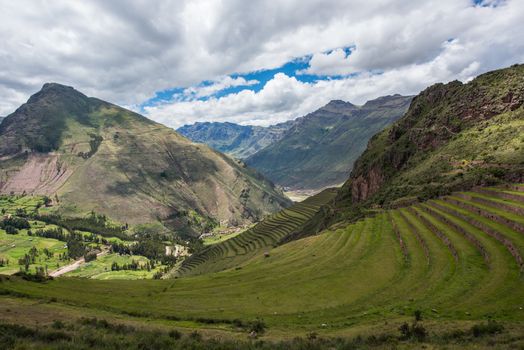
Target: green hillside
457	260
239	141
454	136
90	155
319	149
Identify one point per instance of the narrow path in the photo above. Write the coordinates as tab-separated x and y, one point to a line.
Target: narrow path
73	266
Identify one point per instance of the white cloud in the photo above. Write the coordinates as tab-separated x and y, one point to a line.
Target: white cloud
125	51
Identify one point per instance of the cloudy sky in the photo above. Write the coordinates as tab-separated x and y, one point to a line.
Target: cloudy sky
250	62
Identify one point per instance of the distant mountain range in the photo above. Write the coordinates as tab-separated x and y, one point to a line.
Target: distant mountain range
239	141
311	152
88	154
1	118
320	148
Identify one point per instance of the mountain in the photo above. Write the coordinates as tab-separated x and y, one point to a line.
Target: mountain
1	118
454	136
239	141
320	148
93	155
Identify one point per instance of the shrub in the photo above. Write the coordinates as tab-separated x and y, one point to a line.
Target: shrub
10	230
257	326
312	336
175	334
90	256
415	331
481	329
57	324
418	315
419	332
195	335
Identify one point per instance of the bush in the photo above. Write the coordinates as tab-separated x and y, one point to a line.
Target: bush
481	329
90	256
419	332
175	334
195	335
257	326
312	336
418	315
415	331
57	324
10	230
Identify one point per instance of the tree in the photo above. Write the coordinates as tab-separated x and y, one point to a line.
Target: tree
10	230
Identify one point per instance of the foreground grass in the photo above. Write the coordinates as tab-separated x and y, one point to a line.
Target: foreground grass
103	331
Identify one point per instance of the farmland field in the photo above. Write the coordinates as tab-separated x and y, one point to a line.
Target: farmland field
101	268
42	247
14	247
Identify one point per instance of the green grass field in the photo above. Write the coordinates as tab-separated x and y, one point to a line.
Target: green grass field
455	264
101	268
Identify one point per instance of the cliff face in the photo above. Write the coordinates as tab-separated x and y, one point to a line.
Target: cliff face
453	136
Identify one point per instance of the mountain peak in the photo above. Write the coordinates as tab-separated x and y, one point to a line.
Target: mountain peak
52	85
339	104
52	91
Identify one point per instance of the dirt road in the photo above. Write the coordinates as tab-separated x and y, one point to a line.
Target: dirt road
73	266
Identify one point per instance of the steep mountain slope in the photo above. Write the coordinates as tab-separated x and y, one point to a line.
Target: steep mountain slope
239	141
320	148
93	155
1	118
454	136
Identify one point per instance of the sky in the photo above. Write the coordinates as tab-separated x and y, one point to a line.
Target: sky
249	62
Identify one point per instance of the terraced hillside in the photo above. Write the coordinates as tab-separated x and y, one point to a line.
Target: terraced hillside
257	240
457	259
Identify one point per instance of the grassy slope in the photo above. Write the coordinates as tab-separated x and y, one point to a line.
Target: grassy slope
351	278
256	241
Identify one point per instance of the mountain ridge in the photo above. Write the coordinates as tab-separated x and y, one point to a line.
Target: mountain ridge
239	141
318	150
